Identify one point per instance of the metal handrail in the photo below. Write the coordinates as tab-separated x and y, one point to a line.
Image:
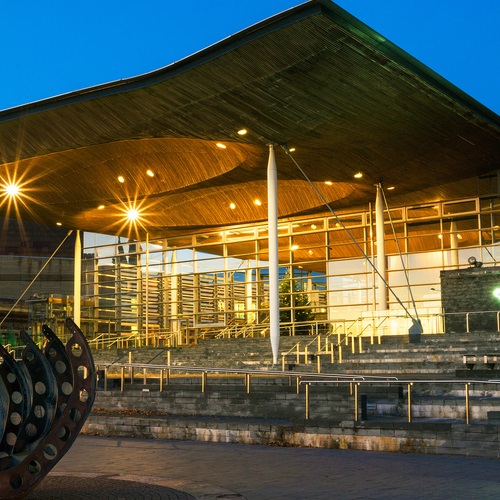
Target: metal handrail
409	383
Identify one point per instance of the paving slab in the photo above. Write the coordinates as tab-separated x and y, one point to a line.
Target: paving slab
101	467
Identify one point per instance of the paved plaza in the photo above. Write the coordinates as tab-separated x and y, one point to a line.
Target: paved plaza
98	467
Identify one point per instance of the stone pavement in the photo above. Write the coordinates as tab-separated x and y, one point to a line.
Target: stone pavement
99	467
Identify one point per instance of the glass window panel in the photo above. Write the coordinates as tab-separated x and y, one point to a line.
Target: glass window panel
347	220
422	212
459	207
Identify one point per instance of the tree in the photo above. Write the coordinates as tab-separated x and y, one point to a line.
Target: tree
300	301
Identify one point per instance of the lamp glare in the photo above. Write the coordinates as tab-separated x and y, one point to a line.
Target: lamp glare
12	189
132	214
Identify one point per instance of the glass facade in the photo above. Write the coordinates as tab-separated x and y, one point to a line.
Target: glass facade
192	284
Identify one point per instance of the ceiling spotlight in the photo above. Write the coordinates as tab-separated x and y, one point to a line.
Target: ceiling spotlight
257	202
12	189
100	207
329	183
58	223
291	150
390	188
220	145
121	179
232	206
132	214
295	247
358	175
150	173
242	131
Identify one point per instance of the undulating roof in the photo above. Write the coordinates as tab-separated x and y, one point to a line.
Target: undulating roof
312	78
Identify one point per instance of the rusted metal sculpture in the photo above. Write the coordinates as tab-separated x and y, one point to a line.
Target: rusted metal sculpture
45	398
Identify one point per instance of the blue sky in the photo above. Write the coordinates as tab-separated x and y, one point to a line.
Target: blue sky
53	47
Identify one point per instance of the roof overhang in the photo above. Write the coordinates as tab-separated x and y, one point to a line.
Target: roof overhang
313	78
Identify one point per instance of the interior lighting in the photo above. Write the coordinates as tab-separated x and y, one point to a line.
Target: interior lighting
313	226
220	145
232	206
390	188
496	293
328	183
257	202
121	179
358	175
150	172
310	252
291	150
100	207
440	236
242	131
132	214
459	236
58	223
295	247
12	190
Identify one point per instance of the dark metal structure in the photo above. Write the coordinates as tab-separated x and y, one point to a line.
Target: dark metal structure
46	397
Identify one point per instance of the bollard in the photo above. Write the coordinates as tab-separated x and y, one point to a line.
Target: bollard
203	381
318	358
340	353
144	377
247	377
162	374
356	409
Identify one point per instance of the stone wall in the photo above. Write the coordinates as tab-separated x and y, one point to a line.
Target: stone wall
474	290
434	438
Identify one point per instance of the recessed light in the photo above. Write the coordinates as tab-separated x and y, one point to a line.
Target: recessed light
220	145
150	173
257	202
100	207
291	150
390	188
132	214
295	247
358	175
121	179
328	183
58	223
232	206
242	131
12	189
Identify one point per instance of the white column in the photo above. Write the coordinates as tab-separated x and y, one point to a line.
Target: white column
146	298
454	244
379	227
77	290
272	218
174	303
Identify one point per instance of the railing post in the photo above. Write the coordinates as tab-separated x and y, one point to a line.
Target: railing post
307	401
467	322
340	353
298	384
144	376
332	353
122	379
203	381
318	362
356	409
247	380
305	356
298	353
353	348
162	372
467	414
282	362
409	401
360	344
105	378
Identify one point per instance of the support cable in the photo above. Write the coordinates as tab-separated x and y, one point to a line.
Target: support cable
325	202
399	251
36	277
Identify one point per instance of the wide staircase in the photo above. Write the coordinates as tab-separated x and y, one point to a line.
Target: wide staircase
229	389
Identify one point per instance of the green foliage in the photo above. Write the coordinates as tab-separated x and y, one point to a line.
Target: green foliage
300	300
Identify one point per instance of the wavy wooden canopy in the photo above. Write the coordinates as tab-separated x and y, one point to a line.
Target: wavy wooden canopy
312	78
